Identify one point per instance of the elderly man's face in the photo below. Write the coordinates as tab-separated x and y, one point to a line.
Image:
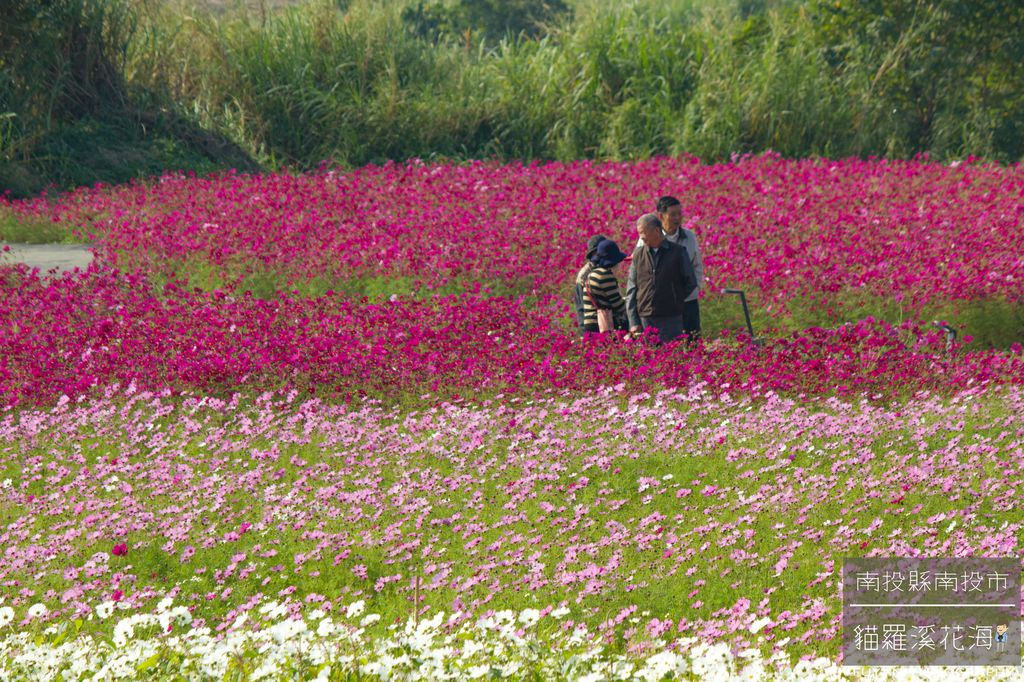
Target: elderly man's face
672	218
651	235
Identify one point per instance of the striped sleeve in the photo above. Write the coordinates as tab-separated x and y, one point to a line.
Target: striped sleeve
605	289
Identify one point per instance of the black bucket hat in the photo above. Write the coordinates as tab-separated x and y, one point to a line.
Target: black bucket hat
608	254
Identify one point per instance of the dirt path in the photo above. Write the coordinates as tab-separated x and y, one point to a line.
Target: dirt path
46	257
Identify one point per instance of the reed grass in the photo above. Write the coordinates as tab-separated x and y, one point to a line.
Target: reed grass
297	84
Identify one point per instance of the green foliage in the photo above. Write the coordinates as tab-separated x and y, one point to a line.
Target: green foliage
115	149
939	76
77	48
175	86
71	111
490	20
312	83
60	61
767	88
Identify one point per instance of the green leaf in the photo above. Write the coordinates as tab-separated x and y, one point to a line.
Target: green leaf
150	662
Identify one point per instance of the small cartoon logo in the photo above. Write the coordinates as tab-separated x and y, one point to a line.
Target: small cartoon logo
1001	637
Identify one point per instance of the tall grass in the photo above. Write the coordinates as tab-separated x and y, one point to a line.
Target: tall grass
767	88
621	80
71	108
350	82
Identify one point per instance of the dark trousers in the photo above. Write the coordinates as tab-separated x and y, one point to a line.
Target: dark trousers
669	327
691	318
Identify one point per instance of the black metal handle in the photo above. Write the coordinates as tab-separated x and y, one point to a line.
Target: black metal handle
949	332
746	312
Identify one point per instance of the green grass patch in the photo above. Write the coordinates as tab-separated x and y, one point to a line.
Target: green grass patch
20	229
241	275
991	323
114	147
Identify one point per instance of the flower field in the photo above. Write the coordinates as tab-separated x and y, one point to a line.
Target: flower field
787	230
339	425
378	281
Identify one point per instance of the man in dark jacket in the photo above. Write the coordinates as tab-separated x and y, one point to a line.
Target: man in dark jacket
670	212
661	278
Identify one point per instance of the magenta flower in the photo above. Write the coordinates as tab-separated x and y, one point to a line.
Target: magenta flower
847	229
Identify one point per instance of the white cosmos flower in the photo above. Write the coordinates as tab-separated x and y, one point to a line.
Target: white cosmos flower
275	611
181	614
471	647
661	663
288	629
369	619
6	616
505	617
529	616
36	610
433	622
355	609
123	631
104	610
164	604
753	672
621	670
760	624
477	671
371	668
164	620
325	629
510	668
560	612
